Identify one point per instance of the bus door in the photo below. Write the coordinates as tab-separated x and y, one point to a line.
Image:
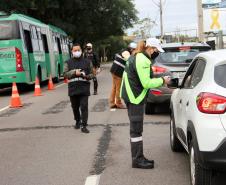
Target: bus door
60	55
46	50
28	44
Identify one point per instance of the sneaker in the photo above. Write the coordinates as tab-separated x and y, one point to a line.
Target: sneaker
84	130
95	93
113	106
120	106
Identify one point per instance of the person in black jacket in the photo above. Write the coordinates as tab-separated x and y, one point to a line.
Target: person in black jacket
78	71
93	57
117	70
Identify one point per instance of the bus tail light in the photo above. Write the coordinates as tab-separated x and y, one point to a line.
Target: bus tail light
211	103
19	62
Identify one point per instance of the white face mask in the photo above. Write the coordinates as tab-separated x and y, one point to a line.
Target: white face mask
77	54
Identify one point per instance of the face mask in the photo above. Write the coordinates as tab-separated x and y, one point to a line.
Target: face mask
154	55
77	54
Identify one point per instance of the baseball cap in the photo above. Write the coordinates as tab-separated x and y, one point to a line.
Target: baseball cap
89	45
133	45
153	42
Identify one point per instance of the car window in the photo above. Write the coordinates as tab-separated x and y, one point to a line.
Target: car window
219	75
183	54
197	74
194	74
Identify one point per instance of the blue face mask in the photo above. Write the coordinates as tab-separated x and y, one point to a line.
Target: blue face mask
77	54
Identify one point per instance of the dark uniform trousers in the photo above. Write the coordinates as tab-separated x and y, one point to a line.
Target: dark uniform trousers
79	104
136	116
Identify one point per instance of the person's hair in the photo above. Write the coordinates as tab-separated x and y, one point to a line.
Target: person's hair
76	44
140	47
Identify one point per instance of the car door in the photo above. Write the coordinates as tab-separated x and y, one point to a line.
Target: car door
187	97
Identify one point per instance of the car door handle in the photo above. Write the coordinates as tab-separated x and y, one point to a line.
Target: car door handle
187	103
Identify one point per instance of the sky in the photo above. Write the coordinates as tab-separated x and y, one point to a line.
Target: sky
177	14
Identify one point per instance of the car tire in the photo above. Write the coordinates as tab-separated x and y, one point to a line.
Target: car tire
149	108
175	144
198	174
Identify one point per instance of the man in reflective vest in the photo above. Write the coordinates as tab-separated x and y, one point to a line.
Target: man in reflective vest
117	70
78	71
93	57
137	80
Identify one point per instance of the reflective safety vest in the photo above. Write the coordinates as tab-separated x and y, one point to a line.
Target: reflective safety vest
137	79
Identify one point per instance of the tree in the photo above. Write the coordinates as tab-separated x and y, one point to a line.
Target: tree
84	20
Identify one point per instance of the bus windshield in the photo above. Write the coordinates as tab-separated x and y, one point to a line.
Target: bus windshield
9	30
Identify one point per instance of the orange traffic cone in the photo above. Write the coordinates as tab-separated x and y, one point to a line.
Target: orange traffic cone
65	80
50	84
38	91
15	99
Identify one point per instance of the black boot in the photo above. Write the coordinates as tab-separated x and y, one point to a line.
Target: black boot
77	125
84	130
150	161
138	159
142	163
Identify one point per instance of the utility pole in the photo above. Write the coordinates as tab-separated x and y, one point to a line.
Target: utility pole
159	4
200	20
161	22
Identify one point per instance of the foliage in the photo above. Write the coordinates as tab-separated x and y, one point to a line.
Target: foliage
84	20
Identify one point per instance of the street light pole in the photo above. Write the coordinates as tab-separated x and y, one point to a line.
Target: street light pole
200	20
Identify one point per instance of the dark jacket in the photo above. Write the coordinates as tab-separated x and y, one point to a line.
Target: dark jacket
92	56
118	64
78	85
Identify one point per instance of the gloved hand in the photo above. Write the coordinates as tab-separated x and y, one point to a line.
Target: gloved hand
167	80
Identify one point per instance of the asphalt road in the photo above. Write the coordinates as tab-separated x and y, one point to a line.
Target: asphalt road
40	147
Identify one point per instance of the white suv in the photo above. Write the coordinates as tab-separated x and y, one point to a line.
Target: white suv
198	116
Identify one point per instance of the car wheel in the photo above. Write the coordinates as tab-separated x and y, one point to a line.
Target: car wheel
175	144
149	108
198	174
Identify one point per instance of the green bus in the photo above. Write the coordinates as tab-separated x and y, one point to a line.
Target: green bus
30	49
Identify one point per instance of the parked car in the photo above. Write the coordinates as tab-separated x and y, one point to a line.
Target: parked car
173	62
198	116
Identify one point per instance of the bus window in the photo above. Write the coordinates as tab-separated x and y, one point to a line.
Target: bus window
27	37
35	43
40	39
45	44
9	30
54	44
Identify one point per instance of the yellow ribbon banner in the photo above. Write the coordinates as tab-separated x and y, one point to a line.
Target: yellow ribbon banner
215	18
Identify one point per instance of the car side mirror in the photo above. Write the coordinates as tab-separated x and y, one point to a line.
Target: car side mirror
174	83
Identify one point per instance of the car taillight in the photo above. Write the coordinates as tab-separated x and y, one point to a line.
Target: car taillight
156	92
157	69
211	103
19	63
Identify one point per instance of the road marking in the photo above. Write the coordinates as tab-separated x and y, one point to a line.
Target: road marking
93	180
4	108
